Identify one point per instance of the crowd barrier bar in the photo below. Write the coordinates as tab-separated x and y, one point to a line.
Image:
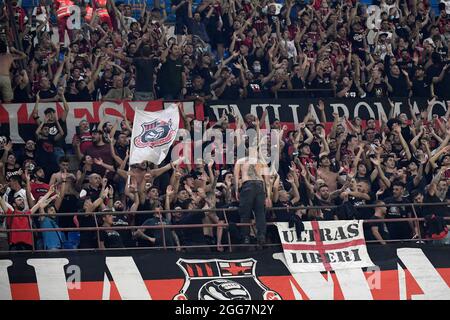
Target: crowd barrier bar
163	226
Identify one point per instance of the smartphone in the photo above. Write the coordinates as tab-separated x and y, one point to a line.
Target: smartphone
62	53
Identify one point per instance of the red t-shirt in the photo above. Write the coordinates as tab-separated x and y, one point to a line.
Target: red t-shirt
39	189
19	223
85	141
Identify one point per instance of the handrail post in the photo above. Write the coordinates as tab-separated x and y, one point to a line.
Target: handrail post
417	223
30	221
96	227
163	230
228	227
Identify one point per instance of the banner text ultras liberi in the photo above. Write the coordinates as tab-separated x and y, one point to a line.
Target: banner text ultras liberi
16	119
402	272
325	246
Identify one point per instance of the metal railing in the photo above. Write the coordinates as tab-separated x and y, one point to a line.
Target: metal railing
225	225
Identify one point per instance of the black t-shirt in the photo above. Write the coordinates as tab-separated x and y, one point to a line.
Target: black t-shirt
203	92
182	12
144	74
297	82
157	233
398	230
54	131
111	239
92	193
441	211
442	52
83	95
443	87
169	77
282	215
45	158
10	172
192	235
379	90
357	39
256	90
88	239
399	86
121	220
230	93
364	213
321	82
104	85
402	32
382	229
50	93
420	88
328	213
352	93
407	134
22	95
23	156
410	183
205	73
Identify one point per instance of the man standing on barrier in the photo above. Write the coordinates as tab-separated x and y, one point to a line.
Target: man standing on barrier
255	180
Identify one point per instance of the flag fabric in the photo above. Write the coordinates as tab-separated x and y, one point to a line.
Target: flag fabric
325	246
153	134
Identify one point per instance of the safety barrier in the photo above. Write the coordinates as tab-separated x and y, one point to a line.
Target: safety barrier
415	219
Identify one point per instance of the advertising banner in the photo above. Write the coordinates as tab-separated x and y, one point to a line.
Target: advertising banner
16	120
401	272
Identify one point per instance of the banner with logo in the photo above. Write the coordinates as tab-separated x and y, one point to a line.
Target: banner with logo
17	123
401	272
325	246
16	120
153	134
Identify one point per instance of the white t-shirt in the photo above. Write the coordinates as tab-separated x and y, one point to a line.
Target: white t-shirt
290	47
447	5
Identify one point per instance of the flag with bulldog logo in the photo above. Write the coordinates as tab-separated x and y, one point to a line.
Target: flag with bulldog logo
153	134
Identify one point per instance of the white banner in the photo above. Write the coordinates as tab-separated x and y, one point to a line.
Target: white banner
153	134
325	246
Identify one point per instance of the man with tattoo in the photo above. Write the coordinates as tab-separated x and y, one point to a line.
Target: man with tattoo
252	194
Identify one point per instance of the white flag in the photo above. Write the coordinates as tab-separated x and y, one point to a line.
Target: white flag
325	246
153	134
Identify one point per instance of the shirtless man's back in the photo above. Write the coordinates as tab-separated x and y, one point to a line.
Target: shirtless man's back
6	60
251	196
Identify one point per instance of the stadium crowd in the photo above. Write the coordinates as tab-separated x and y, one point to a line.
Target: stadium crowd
233	50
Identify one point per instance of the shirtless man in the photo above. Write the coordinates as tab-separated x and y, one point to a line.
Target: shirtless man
324	172
252	195
70	180
6	60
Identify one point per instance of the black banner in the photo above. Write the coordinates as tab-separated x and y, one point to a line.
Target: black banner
400	272
295	110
